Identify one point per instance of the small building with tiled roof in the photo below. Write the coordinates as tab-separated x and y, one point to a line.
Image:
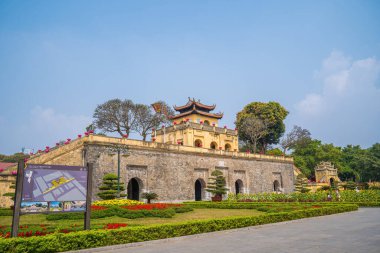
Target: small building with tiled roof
195	111
196	125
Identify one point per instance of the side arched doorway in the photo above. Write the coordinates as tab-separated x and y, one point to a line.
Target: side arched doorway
134	189
276	186
238	186
213	145
199	189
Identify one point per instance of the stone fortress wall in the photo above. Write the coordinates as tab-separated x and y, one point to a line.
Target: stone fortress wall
172	171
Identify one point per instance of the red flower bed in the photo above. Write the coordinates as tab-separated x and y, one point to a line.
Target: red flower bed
98	208
151	206
115	225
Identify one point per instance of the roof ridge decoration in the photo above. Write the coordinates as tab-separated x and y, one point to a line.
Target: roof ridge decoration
193	103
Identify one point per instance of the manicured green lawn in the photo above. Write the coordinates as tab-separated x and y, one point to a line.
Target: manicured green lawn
196	214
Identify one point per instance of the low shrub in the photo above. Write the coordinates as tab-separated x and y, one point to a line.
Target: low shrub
117	202
6	212
90	239
129	212
43	229
319	196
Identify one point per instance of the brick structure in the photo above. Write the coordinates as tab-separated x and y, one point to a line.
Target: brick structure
174	172
325	172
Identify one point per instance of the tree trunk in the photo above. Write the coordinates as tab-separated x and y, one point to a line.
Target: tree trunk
254	146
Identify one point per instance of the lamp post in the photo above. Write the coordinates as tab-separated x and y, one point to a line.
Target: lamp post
119	149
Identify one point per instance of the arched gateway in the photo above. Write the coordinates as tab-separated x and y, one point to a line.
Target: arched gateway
134	188
199	189
276	186
238	186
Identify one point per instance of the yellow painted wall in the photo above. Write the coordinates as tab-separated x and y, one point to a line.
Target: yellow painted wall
188	133
196	118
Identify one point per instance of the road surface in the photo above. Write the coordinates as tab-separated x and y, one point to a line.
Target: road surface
357	231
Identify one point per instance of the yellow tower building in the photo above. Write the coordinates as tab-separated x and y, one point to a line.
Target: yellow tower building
195	125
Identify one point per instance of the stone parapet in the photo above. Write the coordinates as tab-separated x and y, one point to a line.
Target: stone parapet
180	148
76	148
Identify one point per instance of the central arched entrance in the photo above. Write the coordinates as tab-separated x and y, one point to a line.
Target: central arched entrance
238	186
133	189
199	189
276	186
213	145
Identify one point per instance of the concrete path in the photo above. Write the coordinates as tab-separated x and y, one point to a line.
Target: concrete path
357	231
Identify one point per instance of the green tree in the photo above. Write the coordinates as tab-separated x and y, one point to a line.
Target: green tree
372	170
149	196
353	162
350	185
306	157
16	157
275	151
217	184
108	190
301	184
271	113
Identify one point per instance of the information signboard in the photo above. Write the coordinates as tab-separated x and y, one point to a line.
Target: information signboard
42	188
54	183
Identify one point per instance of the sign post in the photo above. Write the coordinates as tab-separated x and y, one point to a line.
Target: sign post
17	200
87	214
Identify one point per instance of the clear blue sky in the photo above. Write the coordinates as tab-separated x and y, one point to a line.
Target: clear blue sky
59	59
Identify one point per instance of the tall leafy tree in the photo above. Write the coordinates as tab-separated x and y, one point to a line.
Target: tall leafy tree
271	113
308	156
372	170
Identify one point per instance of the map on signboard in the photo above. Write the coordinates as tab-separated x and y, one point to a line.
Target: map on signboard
54	183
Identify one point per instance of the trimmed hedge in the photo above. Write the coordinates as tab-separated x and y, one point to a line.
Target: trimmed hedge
122	212
6	212
90	239
254	205
319	196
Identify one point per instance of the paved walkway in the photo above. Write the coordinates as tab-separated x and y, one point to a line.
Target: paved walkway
357	231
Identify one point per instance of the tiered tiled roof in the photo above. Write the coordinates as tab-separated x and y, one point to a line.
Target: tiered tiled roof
191	103
196	107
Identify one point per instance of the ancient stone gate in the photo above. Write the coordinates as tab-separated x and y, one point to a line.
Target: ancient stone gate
174	172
